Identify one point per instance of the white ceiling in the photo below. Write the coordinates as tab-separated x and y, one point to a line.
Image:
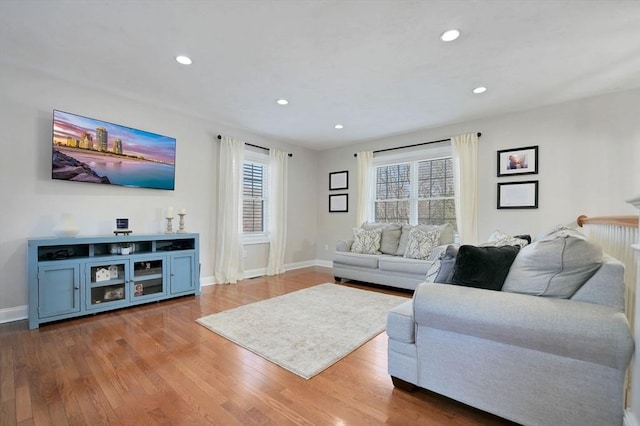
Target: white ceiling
377	67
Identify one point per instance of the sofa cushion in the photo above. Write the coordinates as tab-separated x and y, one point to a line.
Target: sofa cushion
483	267
403	264
421	243
356	259
365	241
555	266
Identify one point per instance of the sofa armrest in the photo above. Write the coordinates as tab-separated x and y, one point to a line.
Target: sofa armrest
583	331
344	245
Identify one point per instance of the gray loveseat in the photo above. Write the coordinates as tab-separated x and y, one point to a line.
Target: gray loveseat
386	261
539	352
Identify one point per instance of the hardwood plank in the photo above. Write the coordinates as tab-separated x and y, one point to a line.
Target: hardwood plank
153	364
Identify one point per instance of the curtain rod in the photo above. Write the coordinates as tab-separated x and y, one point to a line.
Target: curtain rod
258	146
411	146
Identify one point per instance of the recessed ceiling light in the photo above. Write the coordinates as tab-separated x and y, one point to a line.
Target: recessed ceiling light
282	101
479	90
184	60
338	126
450	35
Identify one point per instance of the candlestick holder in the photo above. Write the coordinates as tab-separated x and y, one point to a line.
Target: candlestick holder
181	224
169	226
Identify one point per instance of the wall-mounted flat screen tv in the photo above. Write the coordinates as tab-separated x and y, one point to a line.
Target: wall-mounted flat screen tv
90	150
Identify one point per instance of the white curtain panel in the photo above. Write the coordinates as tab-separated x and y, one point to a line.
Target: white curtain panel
228	261
278	178
365	187
464	149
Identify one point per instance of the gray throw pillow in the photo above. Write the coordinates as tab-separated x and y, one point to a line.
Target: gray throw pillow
555	266
390	239
390	235
447	260
447	233
404	238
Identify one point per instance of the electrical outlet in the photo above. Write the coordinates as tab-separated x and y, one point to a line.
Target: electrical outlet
326	247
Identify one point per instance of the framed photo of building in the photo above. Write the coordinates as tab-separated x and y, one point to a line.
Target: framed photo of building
518	161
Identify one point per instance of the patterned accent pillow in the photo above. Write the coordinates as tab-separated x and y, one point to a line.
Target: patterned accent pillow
433	271
366	241
499	239
421	243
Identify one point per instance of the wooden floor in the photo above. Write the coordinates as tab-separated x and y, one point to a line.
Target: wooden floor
154	364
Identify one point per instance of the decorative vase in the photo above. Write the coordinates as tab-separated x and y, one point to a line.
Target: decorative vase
67	227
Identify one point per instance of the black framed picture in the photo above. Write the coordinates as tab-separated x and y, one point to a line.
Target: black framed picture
339	180
518	195
518	161
338	203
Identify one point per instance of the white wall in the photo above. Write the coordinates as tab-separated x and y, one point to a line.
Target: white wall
31	203
589	163
589	157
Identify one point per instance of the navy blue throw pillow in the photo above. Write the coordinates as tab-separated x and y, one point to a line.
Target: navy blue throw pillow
483	267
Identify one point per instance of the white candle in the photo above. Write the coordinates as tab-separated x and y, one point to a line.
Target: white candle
170	212
183	211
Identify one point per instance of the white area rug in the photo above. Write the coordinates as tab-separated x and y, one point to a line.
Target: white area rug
308	330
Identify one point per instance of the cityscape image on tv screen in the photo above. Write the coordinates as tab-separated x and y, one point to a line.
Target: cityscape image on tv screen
90	150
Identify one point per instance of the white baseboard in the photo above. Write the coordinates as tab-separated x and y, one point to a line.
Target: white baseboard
17	313
324	263
205	281
14	314
306	264
629	418
259	272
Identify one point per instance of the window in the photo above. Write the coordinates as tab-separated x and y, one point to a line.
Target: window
255	197
416	192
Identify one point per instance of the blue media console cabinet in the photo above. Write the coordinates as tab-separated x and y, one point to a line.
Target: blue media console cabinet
70	277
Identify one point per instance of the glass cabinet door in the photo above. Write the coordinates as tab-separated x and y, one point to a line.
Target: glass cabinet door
107	284
148	279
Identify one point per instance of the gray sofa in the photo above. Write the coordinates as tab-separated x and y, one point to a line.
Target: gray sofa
527	353
388	265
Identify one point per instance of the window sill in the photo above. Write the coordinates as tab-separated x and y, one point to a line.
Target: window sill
262	239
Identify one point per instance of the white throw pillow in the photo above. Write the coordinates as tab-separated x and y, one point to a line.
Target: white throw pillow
499	239
420	243
366	241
